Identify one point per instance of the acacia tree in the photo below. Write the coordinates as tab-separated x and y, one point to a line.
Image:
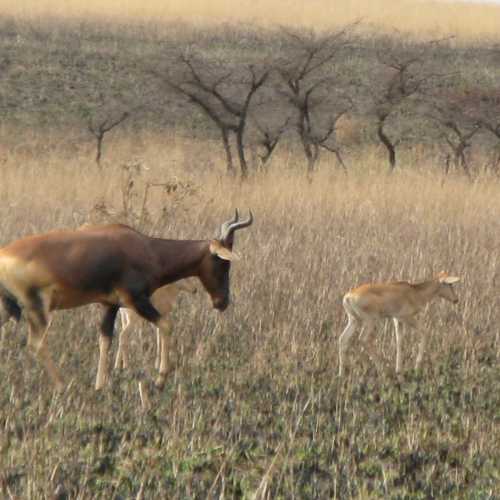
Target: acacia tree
99	126
313	89
456	127
481	106
405	78
489	120
223	95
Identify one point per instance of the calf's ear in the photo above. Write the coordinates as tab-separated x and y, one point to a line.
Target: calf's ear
450	279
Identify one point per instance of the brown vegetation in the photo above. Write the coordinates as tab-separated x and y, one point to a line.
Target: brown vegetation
254	406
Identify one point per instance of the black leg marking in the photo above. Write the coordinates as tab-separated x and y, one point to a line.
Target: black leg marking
142	305
10	305
108	321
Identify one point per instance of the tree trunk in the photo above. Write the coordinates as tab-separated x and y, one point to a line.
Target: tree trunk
391	150
461	160
99	138
241	151
310	156
227	149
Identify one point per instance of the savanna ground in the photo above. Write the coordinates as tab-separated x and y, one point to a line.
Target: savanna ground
254	408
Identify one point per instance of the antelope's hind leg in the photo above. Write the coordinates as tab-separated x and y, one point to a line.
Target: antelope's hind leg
344	339
105	338
39	321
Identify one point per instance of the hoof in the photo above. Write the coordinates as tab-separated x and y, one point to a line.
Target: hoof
160	382
100	386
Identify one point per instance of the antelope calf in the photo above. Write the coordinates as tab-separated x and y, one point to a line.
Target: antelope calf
115	266
398	300
164	300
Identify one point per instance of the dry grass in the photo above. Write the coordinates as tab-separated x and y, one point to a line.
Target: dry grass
423	17
254	409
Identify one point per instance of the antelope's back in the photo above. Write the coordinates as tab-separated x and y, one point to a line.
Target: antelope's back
92	259
383	299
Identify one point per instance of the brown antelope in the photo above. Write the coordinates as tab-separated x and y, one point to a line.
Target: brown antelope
113	265
163	300
398	300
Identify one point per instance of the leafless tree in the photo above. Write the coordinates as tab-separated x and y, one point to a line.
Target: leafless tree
99	126
481	105
223	95
456	127
312	87
405	76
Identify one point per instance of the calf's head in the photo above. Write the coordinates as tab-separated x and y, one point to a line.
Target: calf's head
446	290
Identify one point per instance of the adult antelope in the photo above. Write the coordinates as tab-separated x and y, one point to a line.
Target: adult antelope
398	300
163	300
113	265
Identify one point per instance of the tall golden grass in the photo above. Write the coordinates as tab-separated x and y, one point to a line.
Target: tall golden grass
254	388
426	17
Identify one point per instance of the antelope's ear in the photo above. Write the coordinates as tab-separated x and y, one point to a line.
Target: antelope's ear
441	276
217	248
450	279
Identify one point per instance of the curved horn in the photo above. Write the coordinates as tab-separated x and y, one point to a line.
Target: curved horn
237	224
225	225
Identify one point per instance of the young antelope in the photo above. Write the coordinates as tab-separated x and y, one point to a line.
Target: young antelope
401	301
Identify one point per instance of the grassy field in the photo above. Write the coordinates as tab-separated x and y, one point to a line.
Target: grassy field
254	409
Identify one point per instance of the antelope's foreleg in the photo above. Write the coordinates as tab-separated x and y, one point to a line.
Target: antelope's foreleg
105	338
369	338
39	322
143	306
414	325
398	344
412	322
121	360
164	332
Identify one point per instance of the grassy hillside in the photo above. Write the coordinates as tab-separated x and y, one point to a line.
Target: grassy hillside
59	74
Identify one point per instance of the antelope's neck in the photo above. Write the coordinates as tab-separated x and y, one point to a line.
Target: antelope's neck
426	291
178	259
